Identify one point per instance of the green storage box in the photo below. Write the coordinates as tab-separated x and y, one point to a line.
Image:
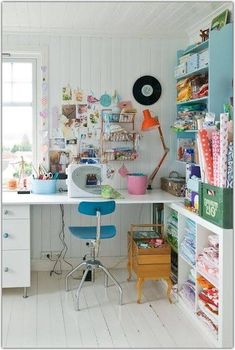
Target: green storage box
216	205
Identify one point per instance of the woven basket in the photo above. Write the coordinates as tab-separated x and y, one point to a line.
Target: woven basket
174	184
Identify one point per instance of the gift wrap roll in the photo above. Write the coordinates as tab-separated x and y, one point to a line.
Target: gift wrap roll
216	157
223	148
230	165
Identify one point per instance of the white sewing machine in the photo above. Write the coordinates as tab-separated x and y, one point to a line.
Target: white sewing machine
84	180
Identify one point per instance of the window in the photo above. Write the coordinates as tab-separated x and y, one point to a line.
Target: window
18	113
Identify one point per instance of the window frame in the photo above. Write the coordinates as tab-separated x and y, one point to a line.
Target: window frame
35	90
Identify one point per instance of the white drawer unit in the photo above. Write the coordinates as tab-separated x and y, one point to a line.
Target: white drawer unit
16	246
16	212
16	268
15	234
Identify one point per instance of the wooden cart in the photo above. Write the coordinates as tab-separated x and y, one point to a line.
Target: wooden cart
148	263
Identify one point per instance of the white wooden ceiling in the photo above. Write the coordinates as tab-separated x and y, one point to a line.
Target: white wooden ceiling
164	18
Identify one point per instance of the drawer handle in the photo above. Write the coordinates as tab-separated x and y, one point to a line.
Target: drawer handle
6	212
6	235
6	269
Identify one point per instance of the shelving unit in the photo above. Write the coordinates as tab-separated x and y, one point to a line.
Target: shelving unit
203	229
124	138
218	69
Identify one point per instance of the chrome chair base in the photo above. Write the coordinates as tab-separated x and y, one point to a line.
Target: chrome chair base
91	265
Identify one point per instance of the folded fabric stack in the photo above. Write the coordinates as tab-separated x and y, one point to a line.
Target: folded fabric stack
172	230
187	247
187	291
208	259
208	303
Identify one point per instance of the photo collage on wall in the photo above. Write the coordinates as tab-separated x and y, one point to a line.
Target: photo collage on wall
76	129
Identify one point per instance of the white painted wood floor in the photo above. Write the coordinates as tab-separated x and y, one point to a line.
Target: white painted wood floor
47	319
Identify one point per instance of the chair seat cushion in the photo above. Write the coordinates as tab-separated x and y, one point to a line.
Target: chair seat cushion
89	232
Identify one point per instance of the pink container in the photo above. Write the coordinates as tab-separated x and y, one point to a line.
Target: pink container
137	183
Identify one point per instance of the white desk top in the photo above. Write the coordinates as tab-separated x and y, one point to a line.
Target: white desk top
151	196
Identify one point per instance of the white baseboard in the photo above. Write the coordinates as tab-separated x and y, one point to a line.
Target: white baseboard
110	262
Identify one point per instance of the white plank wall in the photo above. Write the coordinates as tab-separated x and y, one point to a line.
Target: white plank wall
105	64
46	227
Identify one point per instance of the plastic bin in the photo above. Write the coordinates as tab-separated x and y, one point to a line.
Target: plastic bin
137	183
43	186
216	205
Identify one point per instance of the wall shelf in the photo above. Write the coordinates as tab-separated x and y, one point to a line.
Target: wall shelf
195	100
201	70
196	48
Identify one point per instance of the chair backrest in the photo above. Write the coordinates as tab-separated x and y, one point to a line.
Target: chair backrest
91	208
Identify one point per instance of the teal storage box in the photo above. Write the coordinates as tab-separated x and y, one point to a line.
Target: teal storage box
43	186
216	205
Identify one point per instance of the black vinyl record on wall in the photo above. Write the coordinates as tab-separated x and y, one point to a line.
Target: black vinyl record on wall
147	90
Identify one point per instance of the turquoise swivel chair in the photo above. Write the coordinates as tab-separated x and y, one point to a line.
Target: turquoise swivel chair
95	234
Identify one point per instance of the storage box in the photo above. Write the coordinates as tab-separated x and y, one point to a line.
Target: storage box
43	186
180	70
216	205
192	63
173	184
203	59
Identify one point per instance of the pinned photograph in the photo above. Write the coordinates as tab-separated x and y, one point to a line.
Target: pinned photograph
66	93
79	95
81	111
57	143
69	111
58	161
94	118
71	142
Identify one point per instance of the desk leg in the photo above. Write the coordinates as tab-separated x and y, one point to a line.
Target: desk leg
139	284
157	214
25	293
169	288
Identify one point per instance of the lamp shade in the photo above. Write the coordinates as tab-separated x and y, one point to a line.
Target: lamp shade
149	121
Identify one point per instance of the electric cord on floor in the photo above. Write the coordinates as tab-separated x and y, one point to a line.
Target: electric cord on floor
63	252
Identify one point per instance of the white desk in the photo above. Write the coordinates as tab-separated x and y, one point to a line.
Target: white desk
16	226
153	196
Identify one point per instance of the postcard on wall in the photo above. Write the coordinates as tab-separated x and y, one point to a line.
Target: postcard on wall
79	96
57	143
66	93
70	129
59	160
69	111
94	119
81	111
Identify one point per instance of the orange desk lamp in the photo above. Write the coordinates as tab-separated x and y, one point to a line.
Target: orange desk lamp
150	123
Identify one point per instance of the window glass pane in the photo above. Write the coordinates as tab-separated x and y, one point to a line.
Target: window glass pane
6	72
16	141
22	92
22	72
6	92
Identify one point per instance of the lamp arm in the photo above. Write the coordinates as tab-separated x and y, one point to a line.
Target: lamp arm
155	171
